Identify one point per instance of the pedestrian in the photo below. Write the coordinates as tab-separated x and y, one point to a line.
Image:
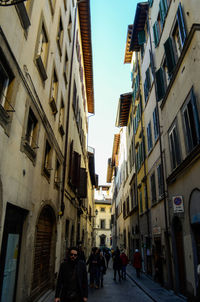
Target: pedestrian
93	268
137	262
81	254
124	260
107	256
117	264
102	267
72	283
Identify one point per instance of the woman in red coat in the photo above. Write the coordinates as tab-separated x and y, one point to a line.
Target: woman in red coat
137	262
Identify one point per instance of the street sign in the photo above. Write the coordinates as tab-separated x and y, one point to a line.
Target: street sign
178	204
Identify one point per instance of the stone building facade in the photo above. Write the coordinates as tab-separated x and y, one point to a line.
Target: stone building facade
46	170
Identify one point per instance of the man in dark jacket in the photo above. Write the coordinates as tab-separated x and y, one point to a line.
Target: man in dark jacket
72	284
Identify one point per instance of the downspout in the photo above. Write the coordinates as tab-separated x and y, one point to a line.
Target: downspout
169	264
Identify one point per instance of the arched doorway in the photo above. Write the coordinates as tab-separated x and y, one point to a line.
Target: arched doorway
44	257
179	255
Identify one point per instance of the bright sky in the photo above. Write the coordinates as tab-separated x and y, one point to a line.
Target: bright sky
109	22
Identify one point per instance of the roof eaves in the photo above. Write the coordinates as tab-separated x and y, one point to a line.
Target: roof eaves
138	25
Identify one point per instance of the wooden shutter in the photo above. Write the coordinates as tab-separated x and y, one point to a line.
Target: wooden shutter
155	33
75	169
82	188
141	37
42	272
70	162
169	52
160	84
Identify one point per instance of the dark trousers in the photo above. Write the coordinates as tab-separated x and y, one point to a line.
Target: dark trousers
138	272
115	272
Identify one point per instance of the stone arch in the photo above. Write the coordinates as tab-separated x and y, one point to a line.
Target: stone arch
44	252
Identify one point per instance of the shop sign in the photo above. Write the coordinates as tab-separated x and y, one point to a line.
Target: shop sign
178	204
156	230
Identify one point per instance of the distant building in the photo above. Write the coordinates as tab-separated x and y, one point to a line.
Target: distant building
102	224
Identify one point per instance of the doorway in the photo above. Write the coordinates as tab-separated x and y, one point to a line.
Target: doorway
179	256
10	252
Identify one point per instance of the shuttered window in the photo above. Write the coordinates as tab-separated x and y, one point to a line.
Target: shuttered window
141	37
160	84
191	122
169	52
181	24
82	188
149	137
155	123
174	147
156	33
153	188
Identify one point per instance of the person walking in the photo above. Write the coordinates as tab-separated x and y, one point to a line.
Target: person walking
102	267
117	264
93	268
107	256
72	283
124	260
137	262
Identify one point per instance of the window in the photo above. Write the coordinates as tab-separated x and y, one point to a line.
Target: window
47	159
23	10
65	4
57	176
61	118
153	188
52	5
69	28
102	209
155	123
74	104
160	180
30	136
60	36
6	83
174	147
149	137
191	122
102	240
127	206
65	71
53	93
174	44
42	52
102	223
32	130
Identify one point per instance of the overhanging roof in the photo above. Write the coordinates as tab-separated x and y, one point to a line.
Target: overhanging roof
85	27
123	109
138	25
109	171
115	149
128	53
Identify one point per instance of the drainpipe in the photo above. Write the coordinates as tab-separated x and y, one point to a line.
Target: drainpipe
169	264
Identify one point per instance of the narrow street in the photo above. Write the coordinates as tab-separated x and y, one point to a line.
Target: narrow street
115	291
142	290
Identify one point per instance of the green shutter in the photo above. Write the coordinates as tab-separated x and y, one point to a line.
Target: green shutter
155	33
162	12
141	37
181	24
150	3
148	83
169	52
160	84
